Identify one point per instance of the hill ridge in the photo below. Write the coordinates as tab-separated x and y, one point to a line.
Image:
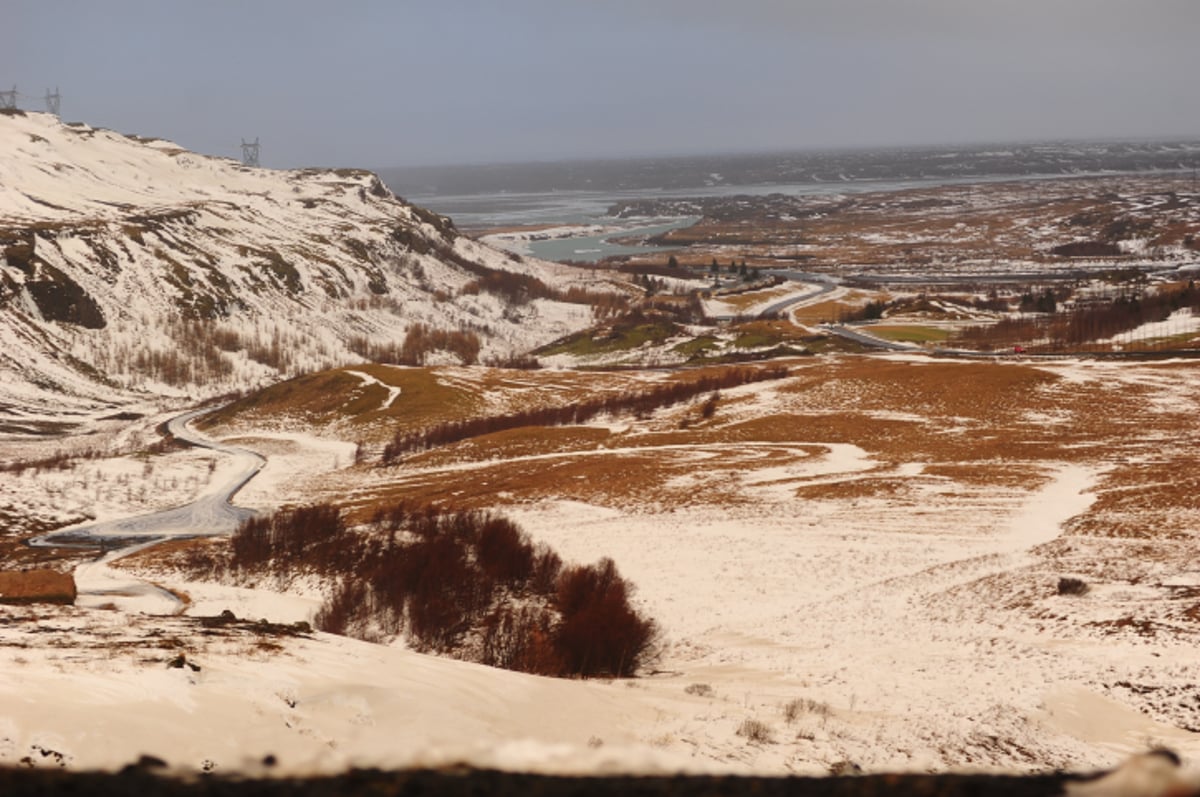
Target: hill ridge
132	267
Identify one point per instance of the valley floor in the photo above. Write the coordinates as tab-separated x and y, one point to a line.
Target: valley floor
860	563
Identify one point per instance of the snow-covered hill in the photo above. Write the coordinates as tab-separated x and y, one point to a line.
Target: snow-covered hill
131	266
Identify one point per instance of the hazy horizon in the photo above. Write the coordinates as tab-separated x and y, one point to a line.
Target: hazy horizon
381	85
815	150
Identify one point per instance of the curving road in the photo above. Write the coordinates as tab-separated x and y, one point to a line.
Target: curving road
820	288
870	341
210	514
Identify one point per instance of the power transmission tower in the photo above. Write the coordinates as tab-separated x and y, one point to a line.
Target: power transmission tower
8	99
250	152
52	101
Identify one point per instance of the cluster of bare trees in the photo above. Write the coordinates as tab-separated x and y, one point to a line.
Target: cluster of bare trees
420	341
195	353
1075	327
467	584
640	402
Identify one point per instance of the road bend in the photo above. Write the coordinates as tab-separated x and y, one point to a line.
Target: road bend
209	514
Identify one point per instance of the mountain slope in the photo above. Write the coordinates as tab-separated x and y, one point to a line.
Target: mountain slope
134	267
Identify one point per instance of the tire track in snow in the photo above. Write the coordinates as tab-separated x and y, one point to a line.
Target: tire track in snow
1038	521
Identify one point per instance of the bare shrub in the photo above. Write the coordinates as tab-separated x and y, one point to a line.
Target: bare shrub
699	690
421	340
1068	585
546	568
793	709
520	639
446	592
460	583
504	552
600	633
59	460
309	536
517	289
336	613
1084	322
520	362
755	731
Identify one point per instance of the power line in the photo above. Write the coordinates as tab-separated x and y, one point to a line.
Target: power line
250	152
8	99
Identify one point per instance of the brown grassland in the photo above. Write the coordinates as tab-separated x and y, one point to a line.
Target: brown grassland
939	436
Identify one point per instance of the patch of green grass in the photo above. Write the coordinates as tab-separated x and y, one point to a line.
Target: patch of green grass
831	344
757	339
619	339
697	346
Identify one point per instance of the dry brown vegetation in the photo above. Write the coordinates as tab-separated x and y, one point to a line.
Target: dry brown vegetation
946	437
468	584
420	341
333	396
1078	328
641	402
36	586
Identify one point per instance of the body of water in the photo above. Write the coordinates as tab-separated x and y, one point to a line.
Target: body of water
579	194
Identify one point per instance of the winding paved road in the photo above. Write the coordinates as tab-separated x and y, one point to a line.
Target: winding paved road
821	286
870	341
210	514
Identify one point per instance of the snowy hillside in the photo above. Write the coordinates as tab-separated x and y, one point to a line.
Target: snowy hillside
851	566
131	266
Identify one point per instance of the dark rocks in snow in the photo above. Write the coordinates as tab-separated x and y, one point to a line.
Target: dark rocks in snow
144	764
180	661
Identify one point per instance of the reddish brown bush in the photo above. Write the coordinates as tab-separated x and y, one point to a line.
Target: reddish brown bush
504	552
251	543
600	633
422	340
336	614
546	568
520	362
445	593
312	536
520	639
1087	249
449	579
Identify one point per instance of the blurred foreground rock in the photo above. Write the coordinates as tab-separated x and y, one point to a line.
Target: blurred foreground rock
19	783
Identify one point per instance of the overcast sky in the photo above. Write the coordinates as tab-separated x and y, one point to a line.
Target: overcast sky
394	82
